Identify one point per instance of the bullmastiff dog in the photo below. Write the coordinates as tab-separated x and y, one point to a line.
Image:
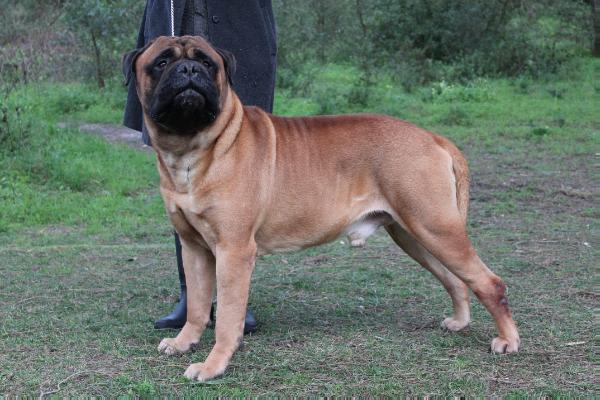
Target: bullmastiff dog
238	182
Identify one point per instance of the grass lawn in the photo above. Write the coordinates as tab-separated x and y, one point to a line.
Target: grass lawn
88	260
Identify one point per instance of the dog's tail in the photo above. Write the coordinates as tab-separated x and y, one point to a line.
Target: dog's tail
461	175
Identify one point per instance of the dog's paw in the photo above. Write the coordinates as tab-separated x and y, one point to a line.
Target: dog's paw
171	346
454	325
505	346
202	372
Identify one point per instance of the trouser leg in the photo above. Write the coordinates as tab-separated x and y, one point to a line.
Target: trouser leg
176	319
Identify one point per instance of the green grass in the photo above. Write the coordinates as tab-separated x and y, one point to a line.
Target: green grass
88	261
560	109
61	179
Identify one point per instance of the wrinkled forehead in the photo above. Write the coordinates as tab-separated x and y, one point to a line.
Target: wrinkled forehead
178	47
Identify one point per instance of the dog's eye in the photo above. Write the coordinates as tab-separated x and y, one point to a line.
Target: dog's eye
206	64
162	64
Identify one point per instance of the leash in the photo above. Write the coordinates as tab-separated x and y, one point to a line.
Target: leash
172	18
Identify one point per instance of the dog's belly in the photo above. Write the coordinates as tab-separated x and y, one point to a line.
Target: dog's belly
302	231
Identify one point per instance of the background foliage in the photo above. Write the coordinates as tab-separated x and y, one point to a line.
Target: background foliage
416	41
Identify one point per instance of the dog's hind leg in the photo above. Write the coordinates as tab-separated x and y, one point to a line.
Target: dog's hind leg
446	240
434	213
439	227
199	267
457	289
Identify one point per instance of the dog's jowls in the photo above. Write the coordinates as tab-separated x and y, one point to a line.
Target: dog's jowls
238	182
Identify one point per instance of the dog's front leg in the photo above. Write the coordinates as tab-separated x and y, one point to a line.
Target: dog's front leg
199	267
234	270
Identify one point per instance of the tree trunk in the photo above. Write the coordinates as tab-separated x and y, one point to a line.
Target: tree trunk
319	6
596	17
367	79
99	75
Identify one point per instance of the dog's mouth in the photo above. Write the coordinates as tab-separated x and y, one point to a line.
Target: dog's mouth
189	98
192	89
189	91
190	86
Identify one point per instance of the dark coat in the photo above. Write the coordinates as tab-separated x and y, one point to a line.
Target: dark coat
244	27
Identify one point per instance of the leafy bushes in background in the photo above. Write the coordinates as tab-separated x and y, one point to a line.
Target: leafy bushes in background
67	40
417	41
427	41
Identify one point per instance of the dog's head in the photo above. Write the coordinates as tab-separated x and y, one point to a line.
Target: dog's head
181	82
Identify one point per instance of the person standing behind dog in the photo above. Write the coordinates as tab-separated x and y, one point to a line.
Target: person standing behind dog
244	27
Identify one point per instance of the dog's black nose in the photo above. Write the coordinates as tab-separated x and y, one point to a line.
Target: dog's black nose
188	68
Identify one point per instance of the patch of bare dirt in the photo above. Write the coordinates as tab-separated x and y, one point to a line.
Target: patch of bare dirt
115	134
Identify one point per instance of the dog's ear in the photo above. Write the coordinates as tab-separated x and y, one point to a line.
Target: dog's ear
228	63
128	62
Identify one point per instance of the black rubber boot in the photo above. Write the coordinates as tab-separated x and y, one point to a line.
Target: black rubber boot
250	323
176	319
178	316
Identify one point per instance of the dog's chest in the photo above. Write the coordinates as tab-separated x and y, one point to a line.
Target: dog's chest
187	216
179	187
182	169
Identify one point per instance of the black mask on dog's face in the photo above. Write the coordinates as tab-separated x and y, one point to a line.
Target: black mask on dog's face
185	98
181	91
